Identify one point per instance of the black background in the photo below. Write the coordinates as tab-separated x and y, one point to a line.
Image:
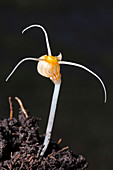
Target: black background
83	32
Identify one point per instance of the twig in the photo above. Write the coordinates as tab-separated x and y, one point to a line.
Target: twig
11	108
21	106
67	147
12	158
53	157
59	141
30	159
18	156
50	155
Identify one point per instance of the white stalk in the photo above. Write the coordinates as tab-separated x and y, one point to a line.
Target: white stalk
87	69
51	118
25	59
46	36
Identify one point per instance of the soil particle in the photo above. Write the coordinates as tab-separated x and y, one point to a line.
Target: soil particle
21	144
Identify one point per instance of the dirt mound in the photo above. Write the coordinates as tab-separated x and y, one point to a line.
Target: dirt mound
21	144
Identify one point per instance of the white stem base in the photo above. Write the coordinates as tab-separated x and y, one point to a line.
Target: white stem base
51	117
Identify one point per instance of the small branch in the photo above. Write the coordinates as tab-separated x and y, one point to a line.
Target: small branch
18	156
21	106
53	157
63	149
67	147
11	108
59	141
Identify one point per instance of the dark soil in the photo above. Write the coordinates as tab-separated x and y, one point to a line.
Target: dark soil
21	144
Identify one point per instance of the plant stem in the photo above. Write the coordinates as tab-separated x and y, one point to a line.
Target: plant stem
51	117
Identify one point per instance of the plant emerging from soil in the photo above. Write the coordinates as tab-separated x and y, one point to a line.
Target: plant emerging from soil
21	144
49	66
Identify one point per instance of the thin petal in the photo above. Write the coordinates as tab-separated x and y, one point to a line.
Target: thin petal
87	69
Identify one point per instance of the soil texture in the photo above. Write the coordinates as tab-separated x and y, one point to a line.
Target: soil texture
21	144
